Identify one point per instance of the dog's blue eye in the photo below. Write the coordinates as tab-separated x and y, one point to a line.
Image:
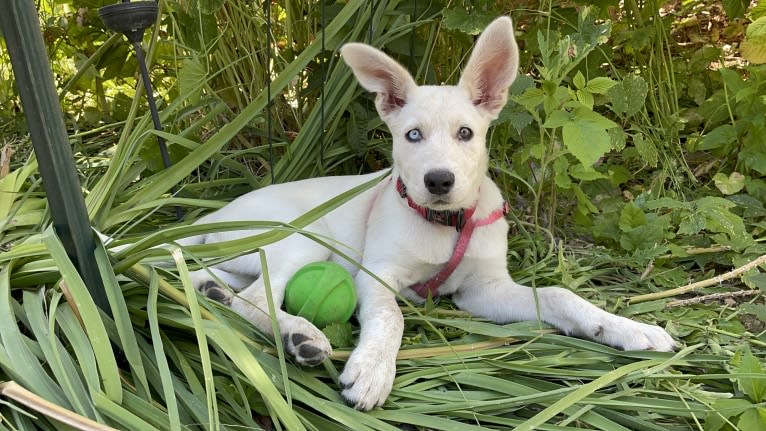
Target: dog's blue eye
465	134
413	135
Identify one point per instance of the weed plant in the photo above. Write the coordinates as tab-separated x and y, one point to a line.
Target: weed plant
631	153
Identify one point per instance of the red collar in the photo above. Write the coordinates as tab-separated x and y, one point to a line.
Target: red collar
456	218
463	221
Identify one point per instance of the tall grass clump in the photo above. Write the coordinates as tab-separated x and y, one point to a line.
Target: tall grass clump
628	218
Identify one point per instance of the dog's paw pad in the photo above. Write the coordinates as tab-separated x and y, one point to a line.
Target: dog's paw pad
298	339
216	293
307	350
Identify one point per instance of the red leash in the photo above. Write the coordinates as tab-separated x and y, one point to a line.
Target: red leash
464	223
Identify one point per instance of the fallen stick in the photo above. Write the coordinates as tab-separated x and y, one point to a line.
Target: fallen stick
700	284
712	297
16	392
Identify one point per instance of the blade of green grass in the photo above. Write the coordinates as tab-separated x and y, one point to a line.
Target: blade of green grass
57	358
207	369
15	350
123	323
583	391
91	318
159	354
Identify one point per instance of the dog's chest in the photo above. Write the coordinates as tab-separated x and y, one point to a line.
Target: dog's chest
404	243
424	249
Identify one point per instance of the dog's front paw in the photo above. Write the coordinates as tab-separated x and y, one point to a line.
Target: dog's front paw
308	345
631	335
367	378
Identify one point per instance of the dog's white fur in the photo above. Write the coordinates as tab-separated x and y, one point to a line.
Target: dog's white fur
396	243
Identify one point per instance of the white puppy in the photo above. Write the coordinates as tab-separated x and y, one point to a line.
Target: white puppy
438	213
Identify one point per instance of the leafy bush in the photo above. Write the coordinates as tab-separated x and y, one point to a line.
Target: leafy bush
631	151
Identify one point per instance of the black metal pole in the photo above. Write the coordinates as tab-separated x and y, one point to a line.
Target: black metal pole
152	104
34	79
131	19
155	114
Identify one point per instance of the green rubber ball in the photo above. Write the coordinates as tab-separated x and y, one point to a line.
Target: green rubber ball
321	292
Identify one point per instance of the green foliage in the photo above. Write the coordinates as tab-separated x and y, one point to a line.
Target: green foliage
632	154
745	411
755	39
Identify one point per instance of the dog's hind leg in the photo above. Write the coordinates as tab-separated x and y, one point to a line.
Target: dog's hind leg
497	297
208	282
301	338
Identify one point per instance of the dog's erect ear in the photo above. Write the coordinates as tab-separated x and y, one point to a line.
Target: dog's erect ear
379	74
492	67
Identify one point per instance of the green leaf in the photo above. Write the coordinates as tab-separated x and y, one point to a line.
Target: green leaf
339	334
584	204
190	75
724	409
531	98
520	120
733	80
753	154
758	310
759	11
628	96
579	80
713	202
753	419
631	217
121	106
691	224
619	138
458	20
746	363
735	8
665	203
756	280
159	356
646	149
719	218
196	29
122	321
619	175
754	49
561	167
600	85
585	173
586	141
719	137
646	236
697	91
583	114
729	184
756	28
557	118
585	98
209	6
91	317
114	60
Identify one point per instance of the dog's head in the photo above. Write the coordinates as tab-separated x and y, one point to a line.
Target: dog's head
439	132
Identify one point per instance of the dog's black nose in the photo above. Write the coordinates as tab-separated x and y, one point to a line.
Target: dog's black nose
439	182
